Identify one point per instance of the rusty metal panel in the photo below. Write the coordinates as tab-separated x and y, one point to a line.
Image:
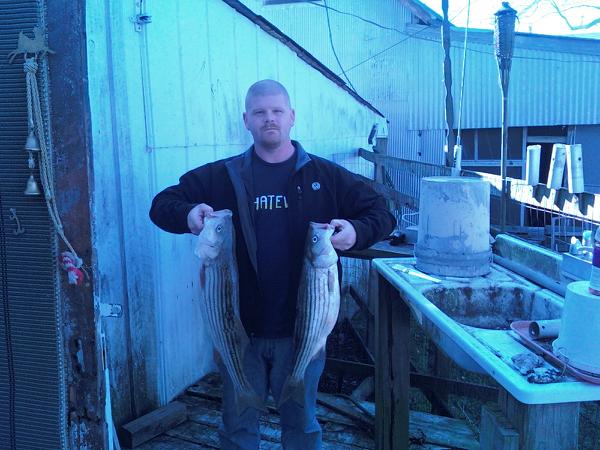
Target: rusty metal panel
32	389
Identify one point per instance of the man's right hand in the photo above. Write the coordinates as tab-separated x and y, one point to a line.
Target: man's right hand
195	218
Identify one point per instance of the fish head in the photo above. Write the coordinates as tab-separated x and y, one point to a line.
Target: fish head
216	238
319	249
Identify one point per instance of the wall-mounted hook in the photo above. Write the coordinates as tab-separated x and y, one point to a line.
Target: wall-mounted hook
13	216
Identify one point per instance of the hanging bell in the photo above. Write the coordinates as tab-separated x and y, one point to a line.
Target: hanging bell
32	187
32	144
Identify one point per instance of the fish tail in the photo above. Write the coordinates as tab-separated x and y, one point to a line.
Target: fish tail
249	399
292	391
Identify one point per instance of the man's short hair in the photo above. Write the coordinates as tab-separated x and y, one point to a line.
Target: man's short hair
267	87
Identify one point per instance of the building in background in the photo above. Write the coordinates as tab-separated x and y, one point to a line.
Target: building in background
390	51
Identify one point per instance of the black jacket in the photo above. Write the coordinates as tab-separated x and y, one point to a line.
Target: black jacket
319	191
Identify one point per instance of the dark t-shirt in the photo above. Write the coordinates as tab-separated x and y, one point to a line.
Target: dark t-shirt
276	305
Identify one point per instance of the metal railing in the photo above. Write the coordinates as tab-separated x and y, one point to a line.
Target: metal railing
537	213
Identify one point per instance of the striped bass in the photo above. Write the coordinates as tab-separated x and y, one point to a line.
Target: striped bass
317	308
220	302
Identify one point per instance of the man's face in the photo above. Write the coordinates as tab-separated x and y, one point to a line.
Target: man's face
269	119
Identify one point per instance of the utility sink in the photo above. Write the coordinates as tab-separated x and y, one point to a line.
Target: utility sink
469	319
493	307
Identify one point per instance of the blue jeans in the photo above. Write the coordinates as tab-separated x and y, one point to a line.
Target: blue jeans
267	363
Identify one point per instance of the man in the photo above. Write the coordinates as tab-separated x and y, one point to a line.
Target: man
274	189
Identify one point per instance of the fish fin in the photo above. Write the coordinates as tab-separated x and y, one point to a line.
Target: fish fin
292	391
249	399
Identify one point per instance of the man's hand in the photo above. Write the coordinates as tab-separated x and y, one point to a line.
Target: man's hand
195	218
344	236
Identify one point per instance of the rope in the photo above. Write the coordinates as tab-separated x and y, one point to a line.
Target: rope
46	170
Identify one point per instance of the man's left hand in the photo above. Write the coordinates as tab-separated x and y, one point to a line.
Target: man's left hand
344	236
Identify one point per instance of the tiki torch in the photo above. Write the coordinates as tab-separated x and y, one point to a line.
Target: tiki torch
504	38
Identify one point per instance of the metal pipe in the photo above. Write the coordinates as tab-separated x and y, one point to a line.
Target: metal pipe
543	280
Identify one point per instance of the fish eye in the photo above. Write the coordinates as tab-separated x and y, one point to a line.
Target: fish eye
219	228
315	239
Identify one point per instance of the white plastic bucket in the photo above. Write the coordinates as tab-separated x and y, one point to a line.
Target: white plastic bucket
579	334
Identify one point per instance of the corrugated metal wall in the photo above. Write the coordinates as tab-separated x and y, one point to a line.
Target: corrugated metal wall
32	387
557	87
170	99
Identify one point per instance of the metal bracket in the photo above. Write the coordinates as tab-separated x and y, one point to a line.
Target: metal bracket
13	216
111	310
141	18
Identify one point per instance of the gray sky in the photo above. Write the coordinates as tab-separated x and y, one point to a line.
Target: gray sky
541	18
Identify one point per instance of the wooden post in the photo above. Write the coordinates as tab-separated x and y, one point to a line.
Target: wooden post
451	140
373	299
380	149
495	431
549	427
392	370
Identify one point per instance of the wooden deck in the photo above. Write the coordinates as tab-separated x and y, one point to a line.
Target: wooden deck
347	425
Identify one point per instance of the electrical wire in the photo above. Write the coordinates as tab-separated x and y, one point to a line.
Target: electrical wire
358	17
462	76
470	49
333	47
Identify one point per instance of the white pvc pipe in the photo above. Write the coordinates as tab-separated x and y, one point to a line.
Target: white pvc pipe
557	166
575	169
532	170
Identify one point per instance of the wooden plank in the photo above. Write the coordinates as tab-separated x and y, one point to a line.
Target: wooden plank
351	367
440	430
364	390
150	425
334	432
437	364
164	442
211	410
496	433
392	377
195	433
407	165
362	304
551	427
453	387
214	395
348	409
400	199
